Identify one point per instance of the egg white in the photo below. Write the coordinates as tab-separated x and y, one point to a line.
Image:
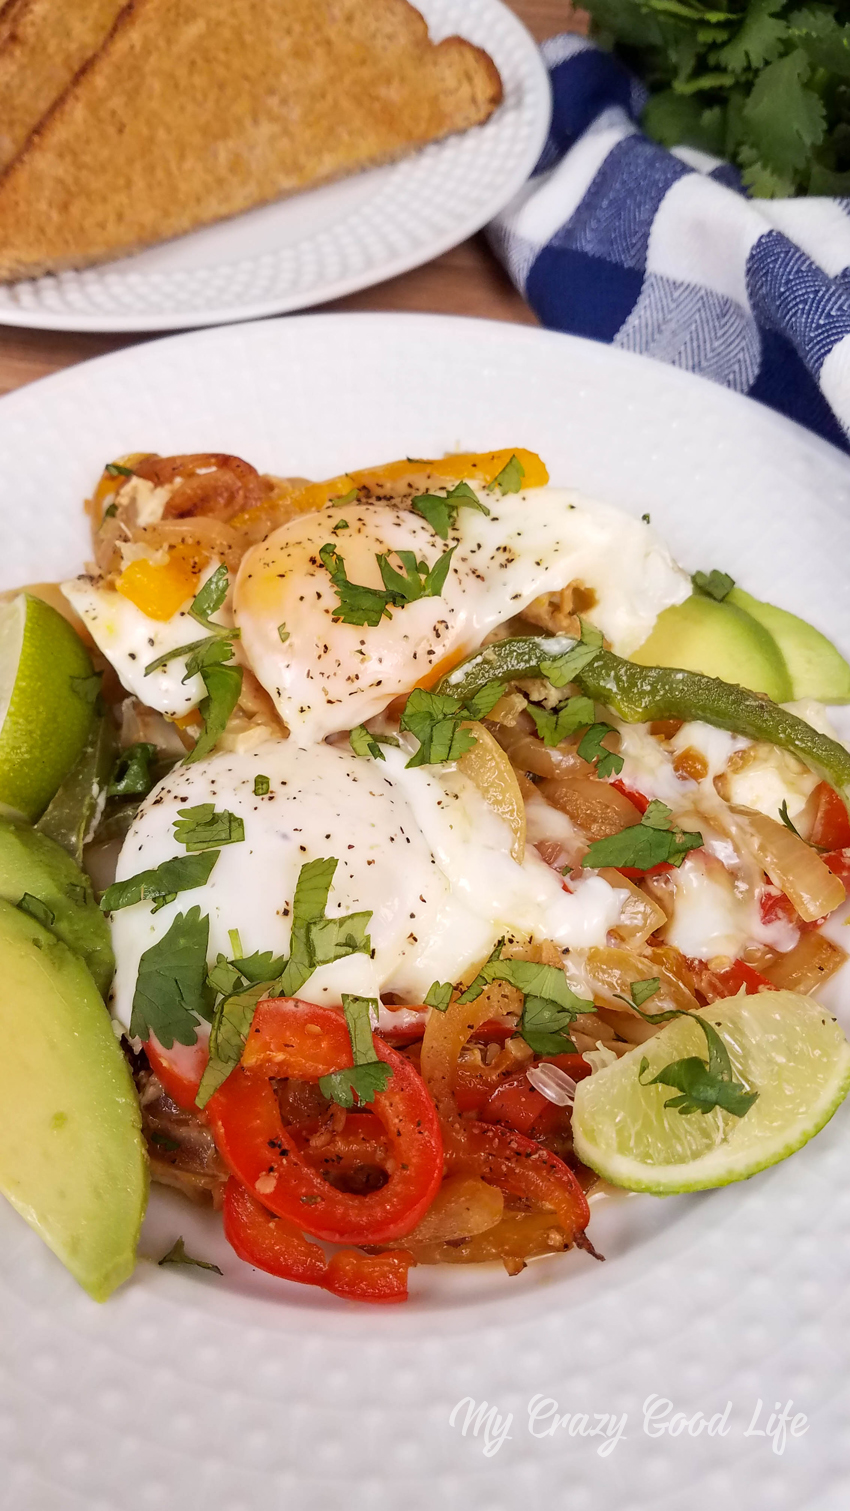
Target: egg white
325	677
419	849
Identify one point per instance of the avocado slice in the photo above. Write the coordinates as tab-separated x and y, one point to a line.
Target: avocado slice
33	865
72	1157
816	668
719	640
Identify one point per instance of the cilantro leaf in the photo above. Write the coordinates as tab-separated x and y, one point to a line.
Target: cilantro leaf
509	480
714	584
177	1255
641	991
357	604
365	744
550	1006
592	749
203	828
435	720
213	651
563	669
211	598
223	685
357	1084
282	634
37	909
261	786
554	725
644	845
261	966
308	906
439	995
88	688
115	469
758	40
131	774
335	938
703	1085
231	1024
418	580
169	996
368	1075
784	119
160	884
441	510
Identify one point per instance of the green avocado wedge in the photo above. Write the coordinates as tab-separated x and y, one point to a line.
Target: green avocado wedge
33	866
72	1157
719	640
817	670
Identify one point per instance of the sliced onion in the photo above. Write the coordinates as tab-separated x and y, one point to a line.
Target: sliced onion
596	808
640	916
487	765
791	864
612	971
808	965
528	753
464	1206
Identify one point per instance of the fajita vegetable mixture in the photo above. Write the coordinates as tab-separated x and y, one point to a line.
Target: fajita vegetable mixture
399	863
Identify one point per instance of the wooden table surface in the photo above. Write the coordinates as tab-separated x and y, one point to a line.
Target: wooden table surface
465	281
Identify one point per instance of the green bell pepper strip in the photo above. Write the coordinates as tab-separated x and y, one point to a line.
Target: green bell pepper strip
641	693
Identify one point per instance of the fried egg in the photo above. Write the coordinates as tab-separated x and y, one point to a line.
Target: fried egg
419	849
130	640
325	676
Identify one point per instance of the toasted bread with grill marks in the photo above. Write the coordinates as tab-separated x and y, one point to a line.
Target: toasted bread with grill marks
43	45
195	110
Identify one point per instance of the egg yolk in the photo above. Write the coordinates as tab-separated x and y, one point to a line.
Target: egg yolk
159	589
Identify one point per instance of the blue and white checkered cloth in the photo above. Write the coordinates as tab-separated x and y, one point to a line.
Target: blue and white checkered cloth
661	252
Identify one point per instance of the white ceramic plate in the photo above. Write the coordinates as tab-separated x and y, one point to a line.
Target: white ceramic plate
224	1395
329	241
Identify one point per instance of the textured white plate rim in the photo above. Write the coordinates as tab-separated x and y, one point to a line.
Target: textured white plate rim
172	316
746	1239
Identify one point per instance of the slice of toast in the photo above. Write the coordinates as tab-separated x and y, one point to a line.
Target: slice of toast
43	44
195	110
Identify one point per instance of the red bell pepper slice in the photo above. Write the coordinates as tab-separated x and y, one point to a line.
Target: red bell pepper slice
839	862
300	1039
831	828
275	1245
179	1069
575	1066
728	983
519	1166
517	1103
637	799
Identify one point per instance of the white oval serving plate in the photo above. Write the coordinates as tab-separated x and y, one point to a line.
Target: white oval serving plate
244	1392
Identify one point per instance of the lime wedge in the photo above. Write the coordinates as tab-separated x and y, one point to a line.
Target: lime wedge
784	1046
46	703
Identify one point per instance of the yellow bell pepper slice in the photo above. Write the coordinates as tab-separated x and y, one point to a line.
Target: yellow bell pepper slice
159	589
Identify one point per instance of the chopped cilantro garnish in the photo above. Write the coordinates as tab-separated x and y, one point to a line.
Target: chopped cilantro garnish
37	910
177	1255
261	786
509	480
550	1006
223	685
205	828
441	510
88	688
439	995
160	884
592	749
314	940
131	774
644	845
368	1075
170	997
283	633
436	719
703	1085
109	512
717	585
563	669
554	725
210	599
368	606
115	469
365	744
341	524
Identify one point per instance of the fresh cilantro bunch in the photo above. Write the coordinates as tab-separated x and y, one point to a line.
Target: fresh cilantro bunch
765	83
